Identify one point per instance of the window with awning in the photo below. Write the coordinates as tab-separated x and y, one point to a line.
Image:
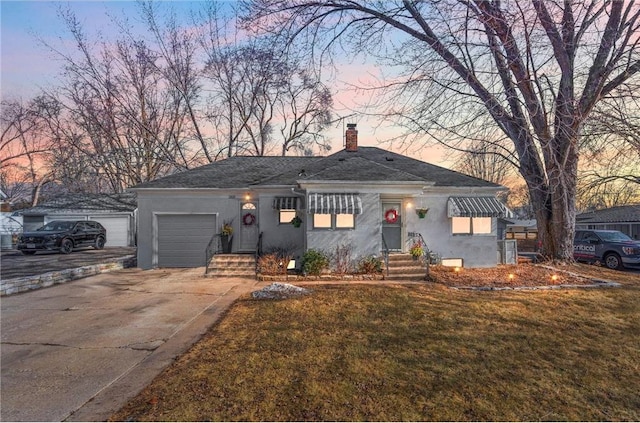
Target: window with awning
334	204
476	207
285	203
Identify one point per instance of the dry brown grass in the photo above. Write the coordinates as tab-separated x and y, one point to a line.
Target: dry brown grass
412	352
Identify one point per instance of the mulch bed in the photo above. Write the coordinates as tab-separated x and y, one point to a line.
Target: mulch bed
506	276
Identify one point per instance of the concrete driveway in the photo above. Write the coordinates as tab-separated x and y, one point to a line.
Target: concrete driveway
79	351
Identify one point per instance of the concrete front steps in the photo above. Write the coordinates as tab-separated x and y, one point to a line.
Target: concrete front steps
232	266
403	267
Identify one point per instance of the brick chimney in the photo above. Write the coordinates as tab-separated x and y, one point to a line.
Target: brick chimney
351	137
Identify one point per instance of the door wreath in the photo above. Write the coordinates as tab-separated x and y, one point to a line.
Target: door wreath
391	216
248	219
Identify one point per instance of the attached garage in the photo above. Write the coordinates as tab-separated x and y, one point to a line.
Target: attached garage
182	239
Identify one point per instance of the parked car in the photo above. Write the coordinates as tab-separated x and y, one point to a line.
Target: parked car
63	236
611	248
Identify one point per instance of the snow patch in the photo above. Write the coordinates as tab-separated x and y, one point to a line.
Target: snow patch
277	291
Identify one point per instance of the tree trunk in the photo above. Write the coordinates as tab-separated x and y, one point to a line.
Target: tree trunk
555	201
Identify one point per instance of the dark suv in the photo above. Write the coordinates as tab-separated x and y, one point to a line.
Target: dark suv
611	248
63	236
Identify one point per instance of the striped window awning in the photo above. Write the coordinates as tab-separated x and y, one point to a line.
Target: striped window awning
285	203
476	207
335	204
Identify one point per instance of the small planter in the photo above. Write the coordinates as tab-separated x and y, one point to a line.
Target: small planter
226	241
422	213
296	222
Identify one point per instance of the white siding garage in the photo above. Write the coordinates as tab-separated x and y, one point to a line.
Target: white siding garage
117	226
117	229
182	239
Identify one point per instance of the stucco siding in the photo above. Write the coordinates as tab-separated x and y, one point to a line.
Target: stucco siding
152	204
475	250
280	235
365	239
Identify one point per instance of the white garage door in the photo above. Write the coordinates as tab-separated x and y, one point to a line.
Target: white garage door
183	239
117	229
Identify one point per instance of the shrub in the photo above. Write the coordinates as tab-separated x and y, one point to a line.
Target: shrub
273	264
314	262
285	250
369	265
341	261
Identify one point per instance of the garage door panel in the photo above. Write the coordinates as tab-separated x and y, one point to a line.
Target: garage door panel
183	239
117	229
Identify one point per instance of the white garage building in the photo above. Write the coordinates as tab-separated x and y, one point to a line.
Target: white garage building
116	212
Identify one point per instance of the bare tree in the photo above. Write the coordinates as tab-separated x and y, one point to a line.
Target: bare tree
132	122
180	67
486	161
16	186
609	174
260	90
536	68
21	125
25	144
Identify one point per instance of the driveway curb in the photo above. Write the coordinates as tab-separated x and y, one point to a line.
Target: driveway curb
28	283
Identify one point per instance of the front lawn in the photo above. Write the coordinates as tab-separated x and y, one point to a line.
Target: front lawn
414	352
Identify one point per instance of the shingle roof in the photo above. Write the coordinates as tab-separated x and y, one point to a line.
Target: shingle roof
366	164
85	203
234	172
395	167
351	168
629	213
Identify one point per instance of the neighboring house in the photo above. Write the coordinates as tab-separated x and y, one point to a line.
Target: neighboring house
9	225
625	219
358	196
116	212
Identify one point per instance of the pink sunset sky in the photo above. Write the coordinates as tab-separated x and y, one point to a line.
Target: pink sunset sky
27	66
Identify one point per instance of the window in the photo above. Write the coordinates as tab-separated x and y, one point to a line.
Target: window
471	225
461	225
322	221
286	215
481	225
345	221
333	221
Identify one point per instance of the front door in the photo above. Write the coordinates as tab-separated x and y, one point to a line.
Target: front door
392	225
248	226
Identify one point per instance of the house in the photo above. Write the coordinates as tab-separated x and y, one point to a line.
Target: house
625	219
116	212
9	225
365	197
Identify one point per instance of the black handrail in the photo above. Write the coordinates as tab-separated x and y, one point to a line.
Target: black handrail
385	254
426	253
214	247
258	252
